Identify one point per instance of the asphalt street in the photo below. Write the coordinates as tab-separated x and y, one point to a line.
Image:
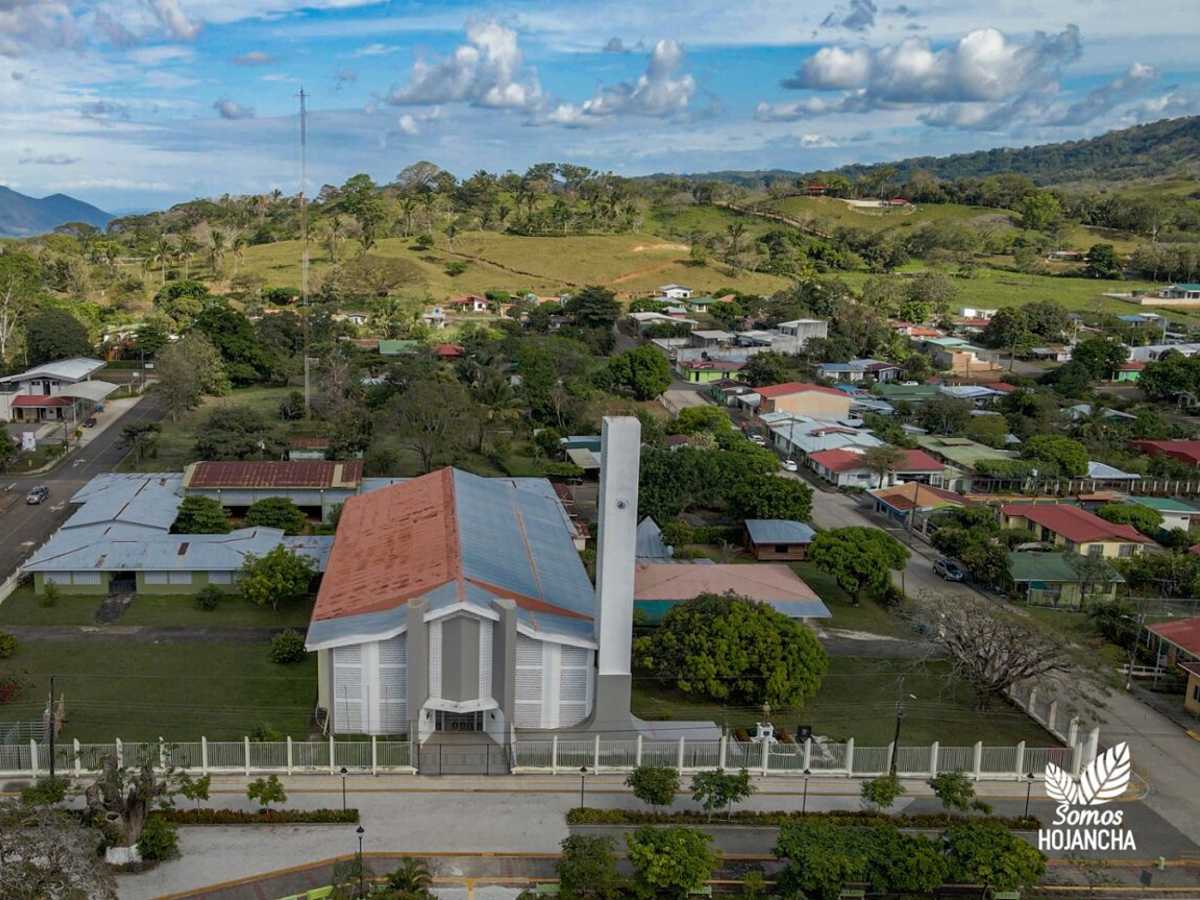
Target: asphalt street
23	528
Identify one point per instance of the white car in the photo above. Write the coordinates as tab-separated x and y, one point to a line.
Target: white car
790	465
758	439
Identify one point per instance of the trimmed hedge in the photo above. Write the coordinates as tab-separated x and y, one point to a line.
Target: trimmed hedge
752	818
264	817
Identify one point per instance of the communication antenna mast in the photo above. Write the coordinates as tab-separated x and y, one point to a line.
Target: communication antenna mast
304	242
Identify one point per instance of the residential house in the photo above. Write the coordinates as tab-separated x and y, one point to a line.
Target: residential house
1184	451
645	320
1181	638
1176	513
435	318
448	351
119	541
711	339
308	447
468	303
845	468
978	395
804	399
700	304
911	504
726	391
1081	411
316	486
1154	352
1059	353
911	394
660	586
353	317
1058	579
963	455
959	358
707	371
1129	372
1074	529
794	335
1099	471
859	370
1183	291
799	436
398	347
56	391
675	292
778	539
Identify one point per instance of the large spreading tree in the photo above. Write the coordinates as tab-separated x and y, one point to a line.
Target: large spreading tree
860	558
734	650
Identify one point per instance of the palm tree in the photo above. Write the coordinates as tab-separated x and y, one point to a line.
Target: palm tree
187	248
333	233
239	252
408	207
216	250
164	251
411	877
735	231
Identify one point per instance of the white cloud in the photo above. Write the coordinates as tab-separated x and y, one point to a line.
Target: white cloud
792	112
375	50
486	71
984	65
154	56
254	58
859	16
27	25
231	109
172	17
407	124
660	92
29	158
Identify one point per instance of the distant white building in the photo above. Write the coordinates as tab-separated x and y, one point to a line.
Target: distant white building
675	292
56	391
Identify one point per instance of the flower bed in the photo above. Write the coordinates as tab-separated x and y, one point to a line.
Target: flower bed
776	819
264	817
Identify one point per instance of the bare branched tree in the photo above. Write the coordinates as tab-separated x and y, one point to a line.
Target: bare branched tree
48	853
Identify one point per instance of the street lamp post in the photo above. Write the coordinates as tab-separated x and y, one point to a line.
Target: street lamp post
583	770
899	720
804	802
360	831
1028	790
344	773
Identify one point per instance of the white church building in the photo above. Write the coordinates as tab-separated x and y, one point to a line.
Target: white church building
453	602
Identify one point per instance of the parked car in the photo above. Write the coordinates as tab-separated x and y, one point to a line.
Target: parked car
89	422
758	439
949	570
790	465
39	494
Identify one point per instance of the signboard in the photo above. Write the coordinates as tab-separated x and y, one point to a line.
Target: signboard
28	441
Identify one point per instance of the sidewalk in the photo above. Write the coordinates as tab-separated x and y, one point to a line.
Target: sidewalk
113	411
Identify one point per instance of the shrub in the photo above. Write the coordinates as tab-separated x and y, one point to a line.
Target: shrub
266	791
276	512
670	862
45	791
655	785
455	267
209	598
10	688
718	788
850	818
194	789
288	647
8	645
208	816
411	878
265	733
987	855
50	595
956	791
587	869
159	839
881	792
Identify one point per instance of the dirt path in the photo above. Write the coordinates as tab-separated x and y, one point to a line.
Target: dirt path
491	262
638	273
774	217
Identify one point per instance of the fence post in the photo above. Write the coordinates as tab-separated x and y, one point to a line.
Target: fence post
332	754
554	755
1093	743
1073	732
374	757
849	756
1032	707
721	751
203	755
891	757
33	760
1051	716
807	754
933	759
289	754
766	757
1020	759
1076	758
78	769
596	754
162	753
977	763
246	751
679	757
120	753
637	759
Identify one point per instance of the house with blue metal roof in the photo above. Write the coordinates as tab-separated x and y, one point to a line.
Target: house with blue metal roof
778	539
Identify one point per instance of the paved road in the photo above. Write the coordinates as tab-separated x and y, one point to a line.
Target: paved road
23	528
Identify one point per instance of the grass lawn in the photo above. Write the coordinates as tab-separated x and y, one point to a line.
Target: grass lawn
869	616
24	608
858	699
830	213
178	690
1078	628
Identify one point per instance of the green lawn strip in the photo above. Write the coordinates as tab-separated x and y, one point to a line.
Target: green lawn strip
24	608
869	616
178	690
858	699
1078	628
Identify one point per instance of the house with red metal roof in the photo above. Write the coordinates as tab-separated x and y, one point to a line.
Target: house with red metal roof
1185	451
659	586
845	467
1074	529
1182	641
312	484
63	390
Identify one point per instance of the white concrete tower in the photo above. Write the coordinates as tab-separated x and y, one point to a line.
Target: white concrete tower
615	559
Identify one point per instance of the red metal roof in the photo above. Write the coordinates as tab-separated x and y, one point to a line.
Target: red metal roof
838	460
914	494
39	401
1187	451
1183	633
1133	365
448	350
1073	523
314	473
796	387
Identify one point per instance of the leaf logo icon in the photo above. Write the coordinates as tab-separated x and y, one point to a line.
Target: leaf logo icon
1107	776
1060	786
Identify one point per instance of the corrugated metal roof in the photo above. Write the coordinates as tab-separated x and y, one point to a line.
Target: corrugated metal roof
650	544
308	473
95	548
75	369
1030	565
151	500
772	583
779	531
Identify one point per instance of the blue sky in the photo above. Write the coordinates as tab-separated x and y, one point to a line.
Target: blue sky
143	103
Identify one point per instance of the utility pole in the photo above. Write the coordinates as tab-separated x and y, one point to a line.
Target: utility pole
304	244
51	724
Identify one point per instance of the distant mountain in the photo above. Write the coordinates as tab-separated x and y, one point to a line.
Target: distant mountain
1143	151
22	216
